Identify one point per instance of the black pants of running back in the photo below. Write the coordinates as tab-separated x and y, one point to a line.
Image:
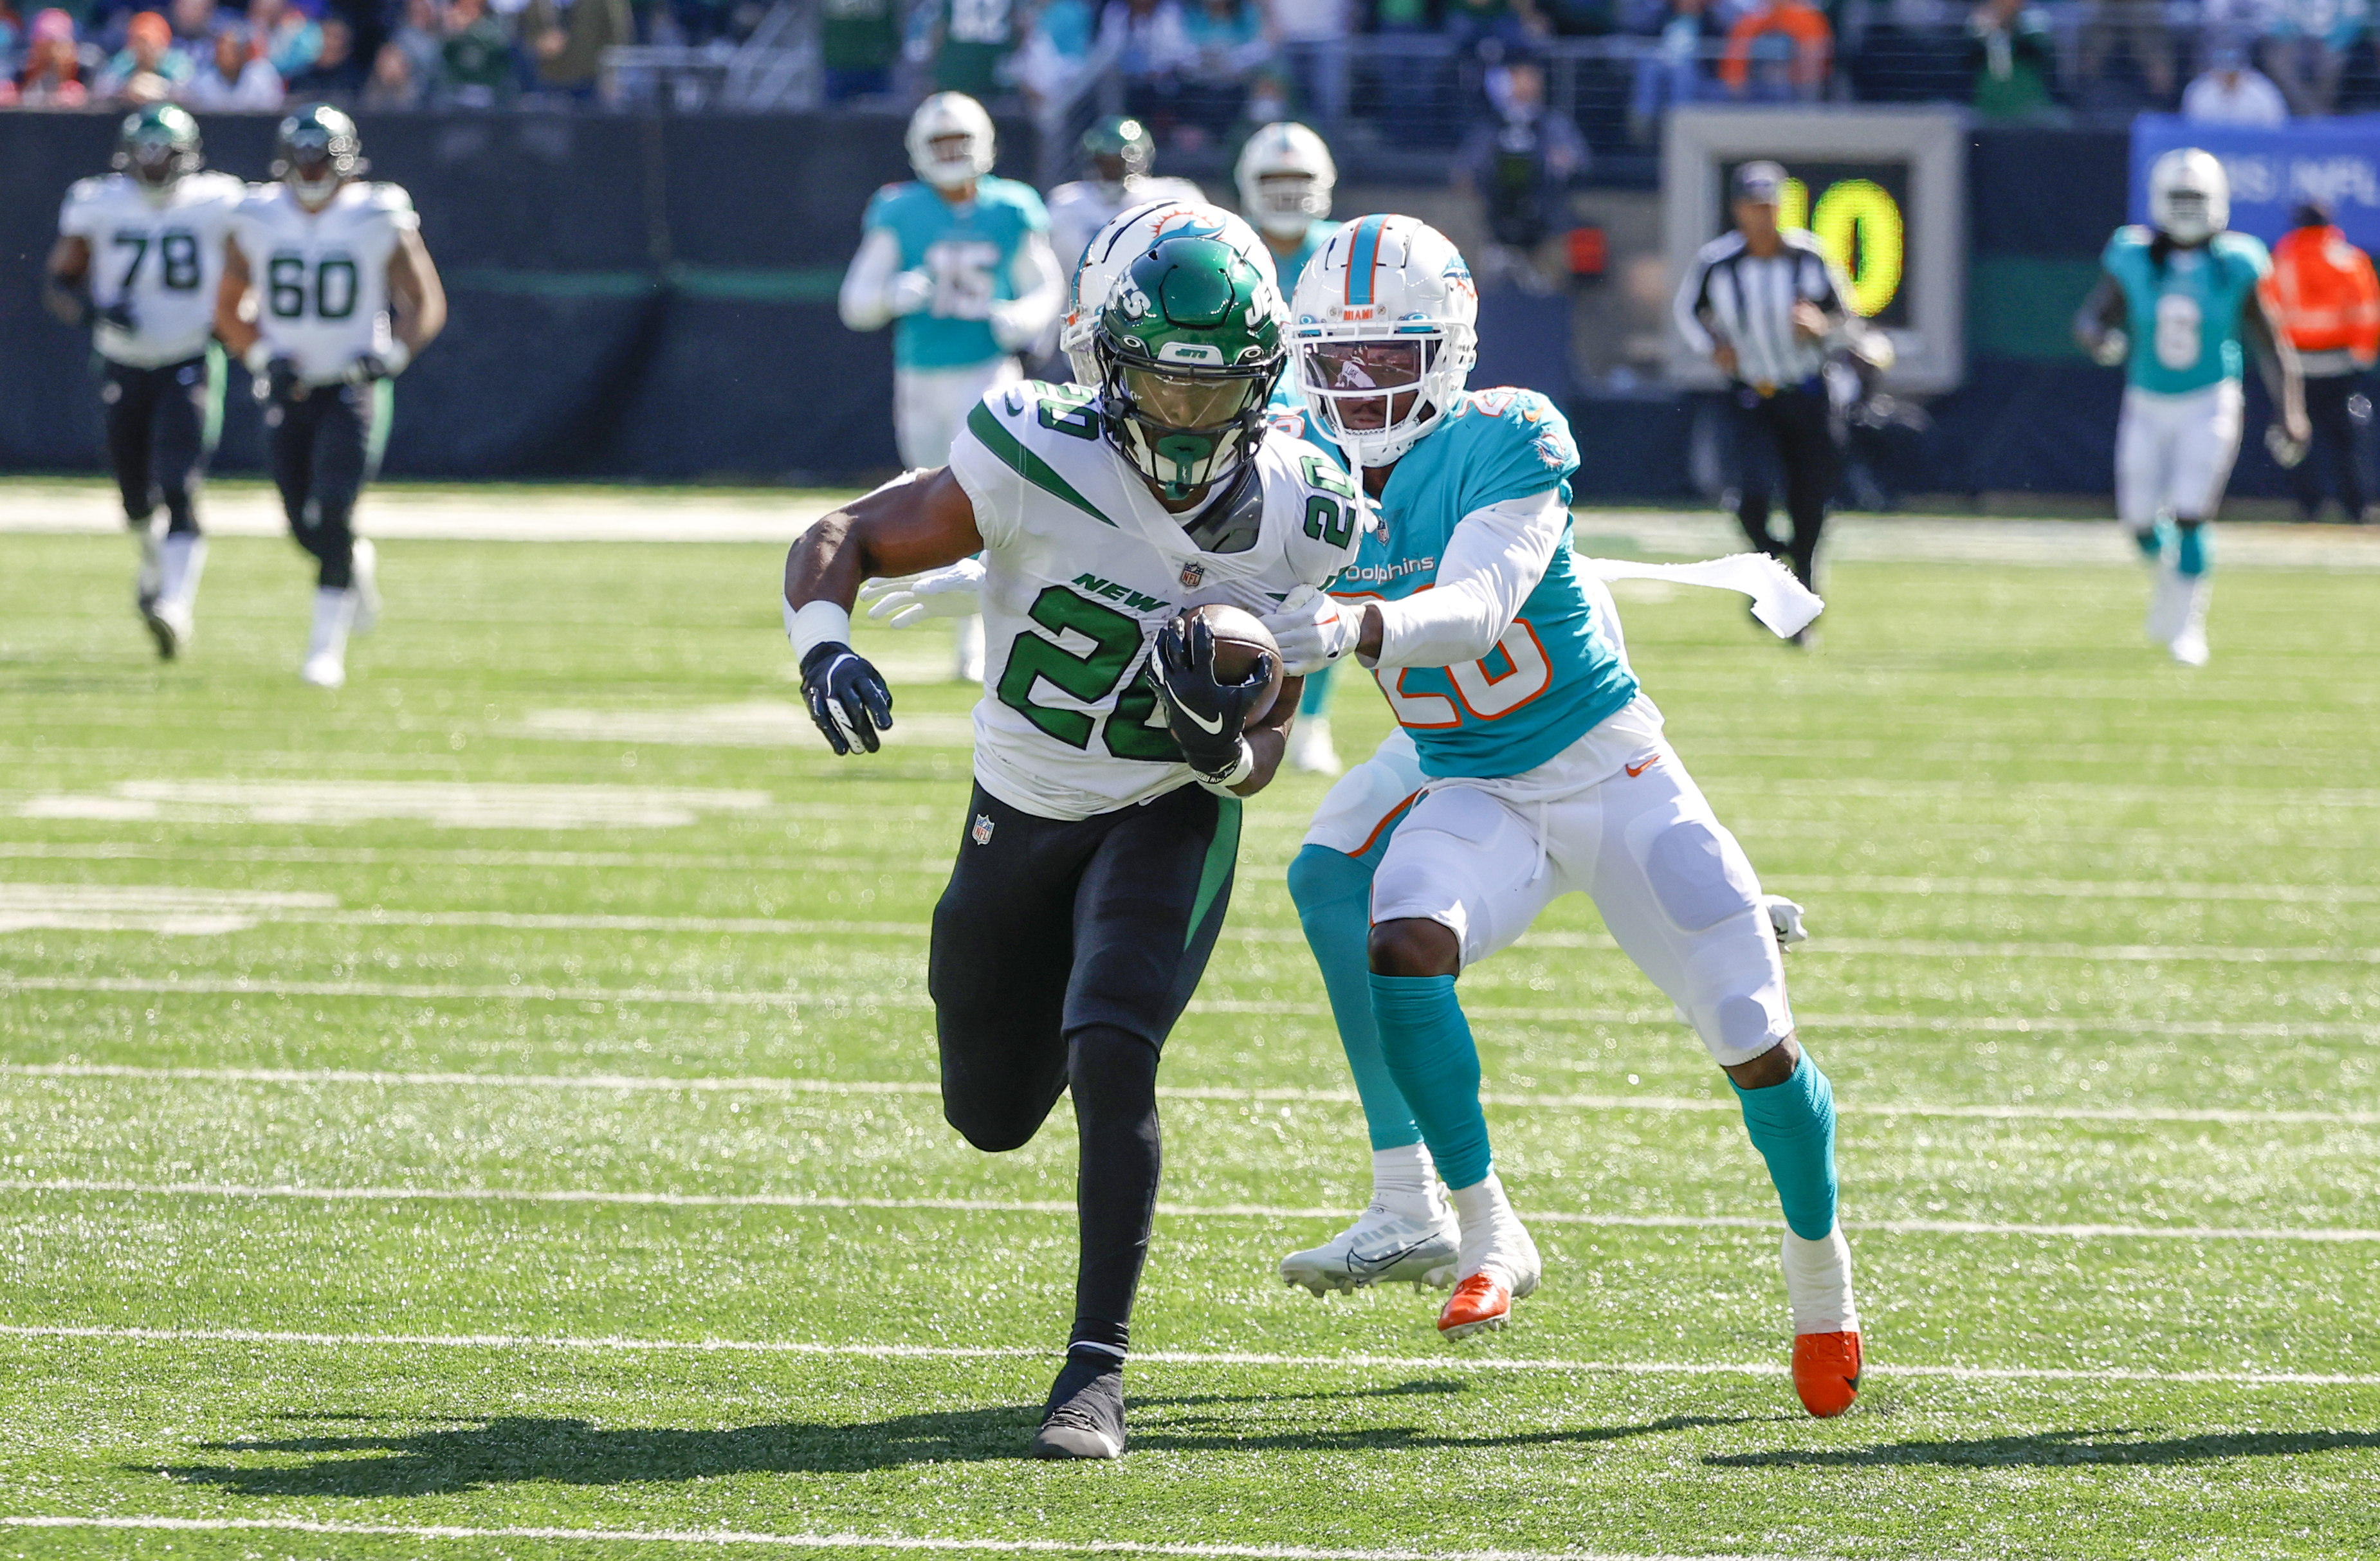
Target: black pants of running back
321	446
157	438
1789	428
1063	952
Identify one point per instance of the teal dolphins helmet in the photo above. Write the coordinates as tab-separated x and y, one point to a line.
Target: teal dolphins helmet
1124	139
1188	347
159	144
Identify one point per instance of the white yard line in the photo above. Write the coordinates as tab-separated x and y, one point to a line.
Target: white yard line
1798	884
2078	1232
2000	1025
649	1083
777	926
825	1542
1444	1361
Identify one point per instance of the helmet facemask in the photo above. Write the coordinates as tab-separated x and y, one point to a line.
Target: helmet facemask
1287	203
1183	424
1377	396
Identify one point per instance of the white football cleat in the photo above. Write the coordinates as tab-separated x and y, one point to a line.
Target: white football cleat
326	652
1397	1239
324	668
367	587
1310	749
170	624
2189	646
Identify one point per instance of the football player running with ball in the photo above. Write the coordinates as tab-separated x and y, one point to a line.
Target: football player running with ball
1095	860
138	257
2174	304
327	295
1529	765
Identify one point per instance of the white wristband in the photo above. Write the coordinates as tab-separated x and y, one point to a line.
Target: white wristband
395	358
258	357
815	625
1242	767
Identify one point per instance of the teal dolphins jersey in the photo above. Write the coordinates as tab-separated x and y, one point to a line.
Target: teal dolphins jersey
969	250
1555	673
2184	319
1287	269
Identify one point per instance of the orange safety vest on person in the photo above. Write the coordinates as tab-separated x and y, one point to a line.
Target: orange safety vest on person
1806	25
2326	293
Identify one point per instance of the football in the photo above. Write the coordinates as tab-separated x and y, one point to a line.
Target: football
1240	638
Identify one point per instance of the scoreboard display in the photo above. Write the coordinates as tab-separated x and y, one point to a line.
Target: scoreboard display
1883	192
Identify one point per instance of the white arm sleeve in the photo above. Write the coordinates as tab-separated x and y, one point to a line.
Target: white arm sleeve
865	301
1041	294
1493	561
1690	324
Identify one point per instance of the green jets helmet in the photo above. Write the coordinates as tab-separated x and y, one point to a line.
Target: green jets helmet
1188	347
159	144
1121	136
316	151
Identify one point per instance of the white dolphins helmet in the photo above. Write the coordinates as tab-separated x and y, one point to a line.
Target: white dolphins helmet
944	117
1386	313
2189	198
1303	176
1128	237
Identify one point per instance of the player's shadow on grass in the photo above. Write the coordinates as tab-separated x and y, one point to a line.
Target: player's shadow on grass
450	1457
2058	1449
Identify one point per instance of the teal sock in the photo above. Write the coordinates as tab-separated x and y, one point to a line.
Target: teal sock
1333	893
2190	554
1793	1125
1316	701
1429	1051
2150	542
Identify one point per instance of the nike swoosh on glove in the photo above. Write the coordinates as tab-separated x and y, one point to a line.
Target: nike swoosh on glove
1312	630
1205	715
848	698
953	591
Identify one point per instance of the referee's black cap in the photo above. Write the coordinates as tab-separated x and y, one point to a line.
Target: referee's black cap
1763	182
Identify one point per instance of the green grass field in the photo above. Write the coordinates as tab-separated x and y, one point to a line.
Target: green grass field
401	1163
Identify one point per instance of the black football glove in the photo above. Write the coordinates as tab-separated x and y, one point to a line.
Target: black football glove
118	314
847	697
280	381
369	368
1205	716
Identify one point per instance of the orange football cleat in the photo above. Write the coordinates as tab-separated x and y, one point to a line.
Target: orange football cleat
1826	1371
1477	1303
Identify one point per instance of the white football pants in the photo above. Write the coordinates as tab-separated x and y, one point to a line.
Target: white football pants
1675	889
2174	452
930	406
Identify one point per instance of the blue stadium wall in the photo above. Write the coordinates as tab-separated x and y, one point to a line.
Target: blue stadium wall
654	297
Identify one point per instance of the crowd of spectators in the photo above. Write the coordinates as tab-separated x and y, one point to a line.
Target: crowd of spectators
1198	71
211	55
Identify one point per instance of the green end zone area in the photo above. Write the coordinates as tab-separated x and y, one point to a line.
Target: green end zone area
489	1110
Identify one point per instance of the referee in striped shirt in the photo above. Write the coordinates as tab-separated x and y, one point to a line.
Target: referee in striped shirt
1764	305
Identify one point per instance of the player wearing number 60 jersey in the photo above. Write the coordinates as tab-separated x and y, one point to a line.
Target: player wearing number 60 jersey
138	256
1097	857
327	295
1530	766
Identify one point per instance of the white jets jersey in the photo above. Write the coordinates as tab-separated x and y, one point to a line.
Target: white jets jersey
1078	210
321	277
161	252
1082	567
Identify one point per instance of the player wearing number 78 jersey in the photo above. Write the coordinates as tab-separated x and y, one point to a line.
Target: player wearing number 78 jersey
327	295
1530	766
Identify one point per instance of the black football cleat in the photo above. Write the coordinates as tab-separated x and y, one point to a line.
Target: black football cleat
1084	1418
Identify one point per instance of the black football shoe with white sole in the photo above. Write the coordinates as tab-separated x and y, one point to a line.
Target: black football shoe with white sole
1084	1418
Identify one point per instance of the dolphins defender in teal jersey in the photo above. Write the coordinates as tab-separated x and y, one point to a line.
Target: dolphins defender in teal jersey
2175	301
1530	765
1285	175
959	262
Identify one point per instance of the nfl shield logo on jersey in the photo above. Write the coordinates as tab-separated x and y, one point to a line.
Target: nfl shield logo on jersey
982	831
1192	574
